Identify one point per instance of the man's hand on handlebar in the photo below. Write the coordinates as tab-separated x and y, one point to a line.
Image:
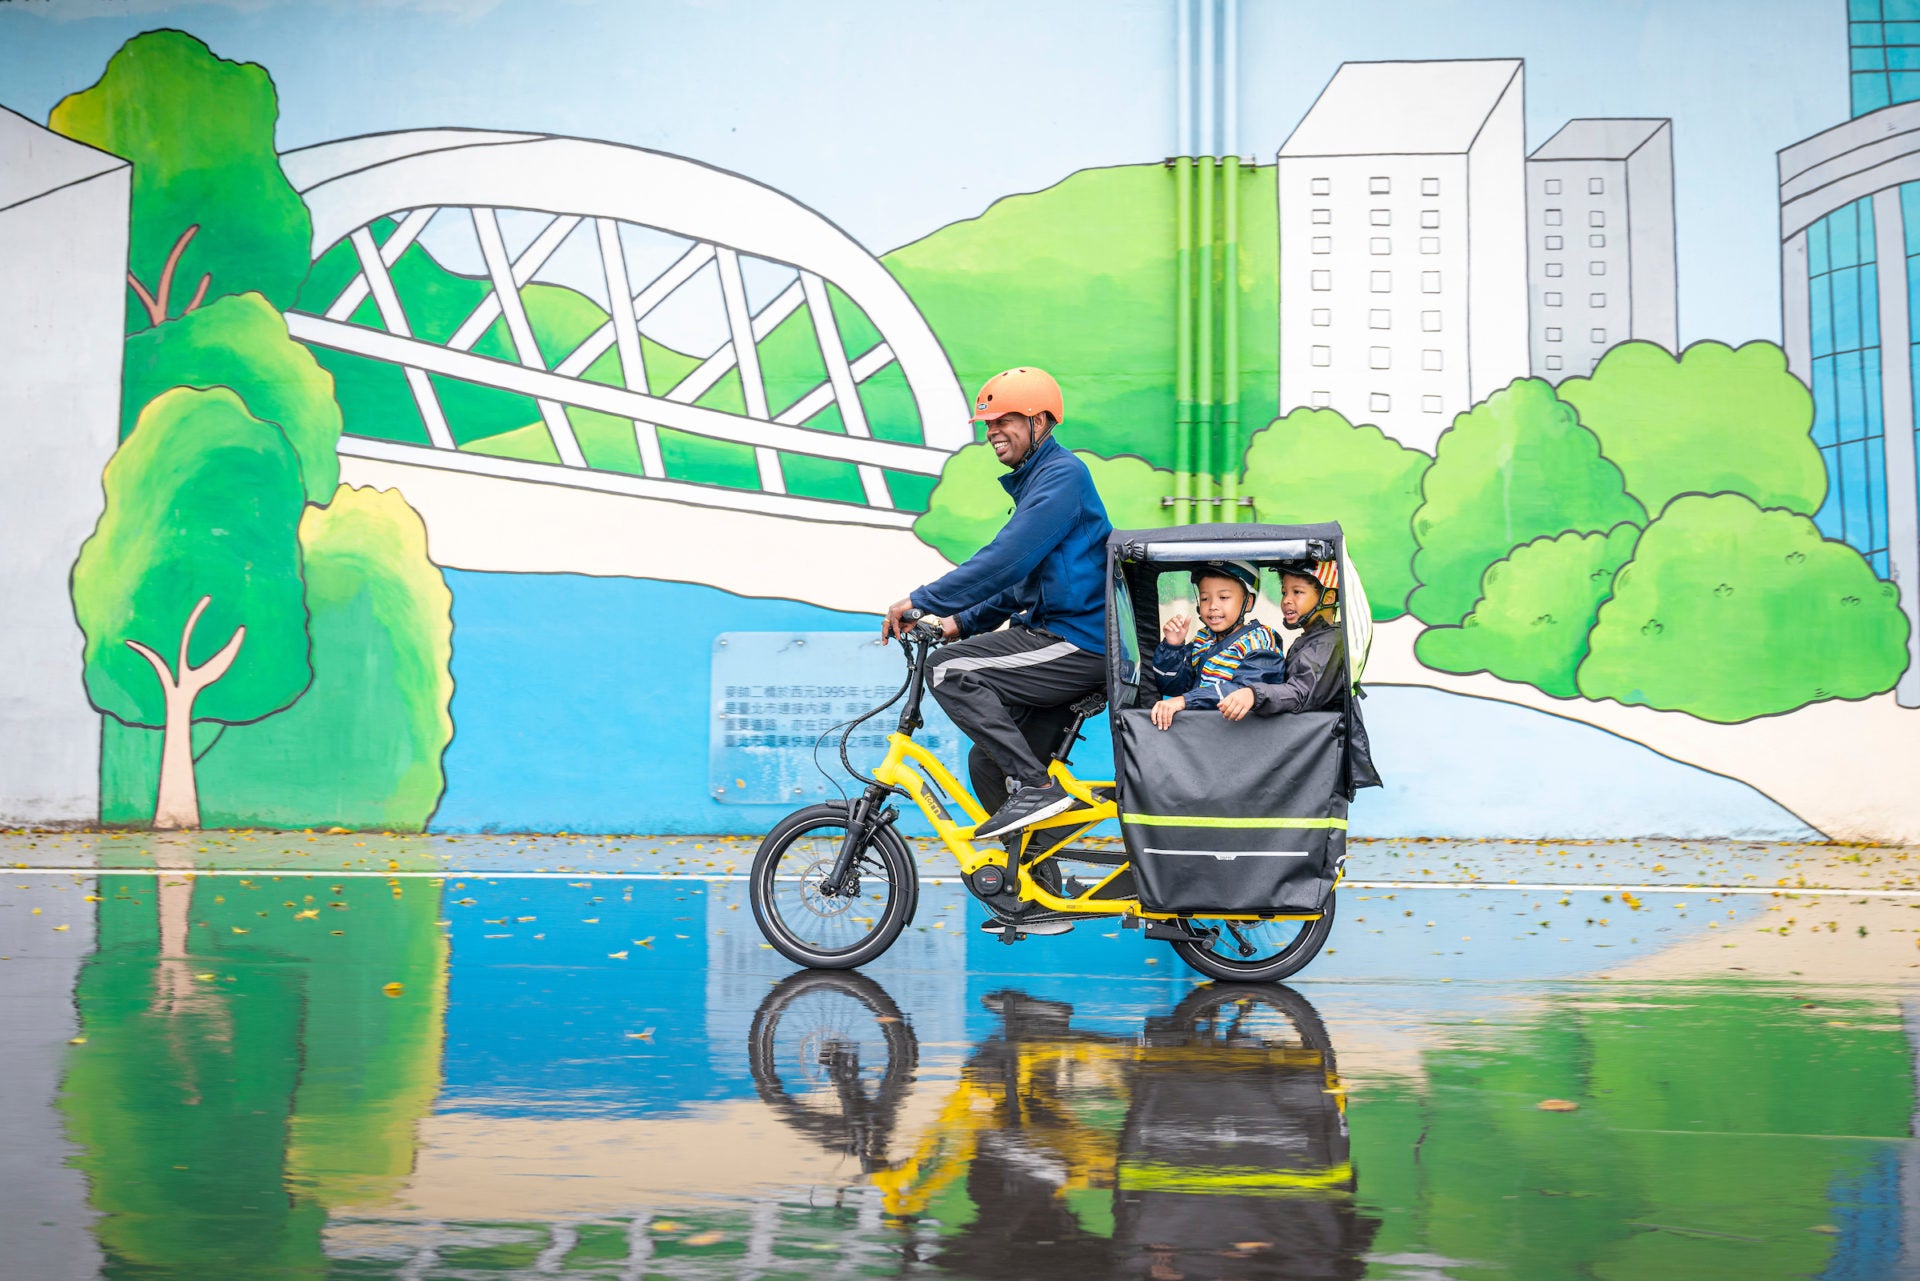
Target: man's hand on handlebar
903	616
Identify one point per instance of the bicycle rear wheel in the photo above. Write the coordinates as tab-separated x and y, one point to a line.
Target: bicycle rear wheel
839	931
1262	952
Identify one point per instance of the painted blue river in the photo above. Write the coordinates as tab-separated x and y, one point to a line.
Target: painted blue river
581	704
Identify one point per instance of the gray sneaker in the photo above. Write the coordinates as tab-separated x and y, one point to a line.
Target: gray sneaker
1027	806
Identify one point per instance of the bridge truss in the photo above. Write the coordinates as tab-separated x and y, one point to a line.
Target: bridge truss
588	197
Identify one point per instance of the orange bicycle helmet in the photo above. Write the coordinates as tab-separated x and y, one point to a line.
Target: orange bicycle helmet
1024	390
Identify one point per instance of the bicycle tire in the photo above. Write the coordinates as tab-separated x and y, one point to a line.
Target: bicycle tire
885	853
1289	961
864	1125
1212	1015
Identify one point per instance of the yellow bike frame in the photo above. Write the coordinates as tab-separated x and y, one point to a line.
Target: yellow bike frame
898	770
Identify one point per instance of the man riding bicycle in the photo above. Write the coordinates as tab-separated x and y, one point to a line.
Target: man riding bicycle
1010	690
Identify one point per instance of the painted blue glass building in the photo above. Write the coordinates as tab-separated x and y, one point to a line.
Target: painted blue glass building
1850	307
1884	44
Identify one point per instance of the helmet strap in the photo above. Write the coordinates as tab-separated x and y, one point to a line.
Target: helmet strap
1322	605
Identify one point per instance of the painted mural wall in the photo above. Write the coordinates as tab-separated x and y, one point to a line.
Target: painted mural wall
449	432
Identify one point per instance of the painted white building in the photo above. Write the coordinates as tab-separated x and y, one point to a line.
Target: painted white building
1396	307
63	273
1600	235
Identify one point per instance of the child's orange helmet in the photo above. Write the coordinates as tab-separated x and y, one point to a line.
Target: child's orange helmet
1024	390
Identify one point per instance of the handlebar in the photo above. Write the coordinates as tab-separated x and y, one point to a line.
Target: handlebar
923	627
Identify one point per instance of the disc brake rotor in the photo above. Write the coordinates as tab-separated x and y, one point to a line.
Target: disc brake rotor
810	894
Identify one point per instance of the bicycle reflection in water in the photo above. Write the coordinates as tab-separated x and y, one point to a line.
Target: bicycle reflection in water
1211	1145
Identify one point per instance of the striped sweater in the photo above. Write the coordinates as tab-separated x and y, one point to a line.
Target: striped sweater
1208	667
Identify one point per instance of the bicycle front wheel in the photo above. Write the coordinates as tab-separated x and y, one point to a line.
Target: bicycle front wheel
838	931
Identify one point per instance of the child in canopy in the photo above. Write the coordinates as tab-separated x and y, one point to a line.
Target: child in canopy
1258	680
1230	655
1316	665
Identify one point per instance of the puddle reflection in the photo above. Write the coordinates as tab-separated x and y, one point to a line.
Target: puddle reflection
304	1077
1211	1144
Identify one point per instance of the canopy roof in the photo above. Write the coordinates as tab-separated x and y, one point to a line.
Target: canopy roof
1264	545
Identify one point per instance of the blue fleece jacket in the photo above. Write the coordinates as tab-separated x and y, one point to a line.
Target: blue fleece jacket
1047	566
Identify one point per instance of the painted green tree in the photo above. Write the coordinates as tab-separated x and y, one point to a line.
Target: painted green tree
1728	612
1537	606
196	556
363	746
210	202
1516	467
969	505
1717	419
241	343
1313	465
287	1082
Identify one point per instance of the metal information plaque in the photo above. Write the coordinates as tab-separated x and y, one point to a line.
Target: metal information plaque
775	693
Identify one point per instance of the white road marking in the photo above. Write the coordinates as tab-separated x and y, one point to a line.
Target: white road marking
469	874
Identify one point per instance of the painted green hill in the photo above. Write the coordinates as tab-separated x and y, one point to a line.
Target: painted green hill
1079	279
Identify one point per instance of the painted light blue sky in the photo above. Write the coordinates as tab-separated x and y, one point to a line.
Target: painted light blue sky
894	118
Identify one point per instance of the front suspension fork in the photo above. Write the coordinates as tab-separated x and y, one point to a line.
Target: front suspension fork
867	814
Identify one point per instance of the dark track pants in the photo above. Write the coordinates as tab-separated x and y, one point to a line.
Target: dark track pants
1010	691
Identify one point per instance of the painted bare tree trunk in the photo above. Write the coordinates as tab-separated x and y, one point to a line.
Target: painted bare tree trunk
178	803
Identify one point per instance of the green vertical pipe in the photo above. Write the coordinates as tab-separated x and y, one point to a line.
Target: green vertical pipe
1230	348
1205	406
1183	341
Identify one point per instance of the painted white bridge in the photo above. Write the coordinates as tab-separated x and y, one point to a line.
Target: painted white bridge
487	512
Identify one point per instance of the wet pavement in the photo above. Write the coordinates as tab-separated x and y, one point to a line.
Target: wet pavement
243	1055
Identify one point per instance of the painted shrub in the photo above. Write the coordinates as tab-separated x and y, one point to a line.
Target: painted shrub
1514	468
1730	612
363	746
1537	607
1717	419
1312	465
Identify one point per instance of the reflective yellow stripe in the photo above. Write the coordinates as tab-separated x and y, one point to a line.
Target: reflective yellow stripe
1183	820
1155	1176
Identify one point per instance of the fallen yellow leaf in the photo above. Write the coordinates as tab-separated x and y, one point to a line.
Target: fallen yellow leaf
646	942
616	956
58	928
394	989
667	1225
238	930
703	1238
311	914
1558	1105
